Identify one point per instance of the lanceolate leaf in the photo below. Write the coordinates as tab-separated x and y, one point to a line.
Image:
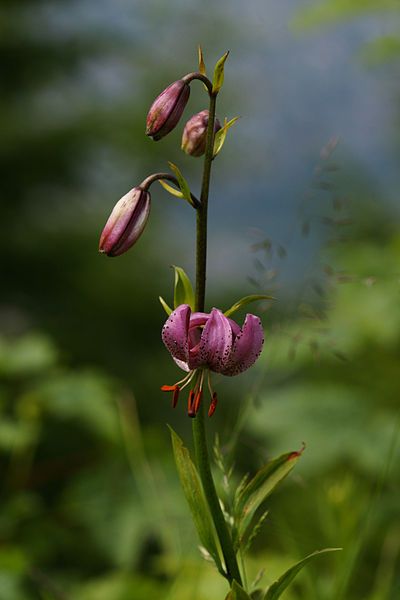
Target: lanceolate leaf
194	495
259	488
279	586
246	300
173	191
220	136
165	306
202	66
183	289
183	184
218	79
257	595
237	593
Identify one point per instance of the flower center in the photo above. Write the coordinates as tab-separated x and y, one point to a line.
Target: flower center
195	394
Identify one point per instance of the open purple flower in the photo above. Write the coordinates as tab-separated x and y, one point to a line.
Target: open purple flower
202	342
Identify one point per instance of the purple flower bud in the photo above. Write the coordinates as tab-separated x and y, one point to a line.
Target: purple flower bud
195	133
126	222
167	109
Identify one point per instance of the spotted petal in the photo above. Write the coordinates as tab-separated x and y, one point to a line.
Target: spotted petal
246	347
216	342
175	333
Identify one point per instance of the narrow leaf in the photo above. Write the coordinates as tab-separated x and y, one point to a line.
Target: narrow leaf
183	184
246	300
220	136
237	592
183	289
279	586
259	488
165	306
194	495
202	66
173	191
218	78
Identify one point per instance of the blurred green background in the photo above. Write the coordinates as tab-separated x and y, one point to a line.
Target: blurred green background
304	205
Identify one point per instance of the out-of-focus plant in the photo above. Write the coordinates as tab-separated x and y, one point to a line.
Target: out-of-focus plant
383	49
203	342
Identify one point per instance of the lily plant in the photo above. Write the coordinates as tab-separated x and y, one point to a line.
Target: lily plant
202	343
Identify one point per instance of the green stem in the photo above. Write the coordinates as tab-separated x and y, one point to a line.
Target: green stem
199	430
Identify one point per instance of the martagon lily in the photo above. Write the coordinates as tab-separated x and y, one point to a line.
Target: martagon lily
203	342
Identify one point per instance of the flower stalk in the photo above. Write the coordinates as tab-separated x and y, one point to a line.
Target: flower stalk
198	424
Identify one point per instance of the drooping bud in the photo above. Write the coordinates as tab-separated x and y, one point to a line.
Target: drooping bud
167	109
126	222
195	133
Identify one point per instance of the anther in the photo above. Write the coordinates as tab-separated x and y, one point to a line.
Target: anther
191	412
175	396
168	388
197	401
213	404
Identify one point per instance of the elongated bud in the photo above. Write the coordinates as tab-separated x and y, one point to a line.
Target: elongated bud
167	109
126	222
195	134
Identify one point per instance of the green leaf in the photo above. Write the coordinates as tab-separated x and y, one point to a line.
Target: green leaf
279	586
332	11
246	300
183	184
194	495
257	595
259	488
237	593
218	78
382	50
165	306
220	136
183	289
202	66
173	191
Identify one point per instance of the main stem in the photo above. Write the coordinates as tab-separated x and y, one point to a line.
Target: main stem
199	430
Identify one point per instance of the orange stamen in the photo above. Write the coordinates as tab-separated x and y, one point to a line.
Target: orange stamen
168	388
213	404
191	412
197	401
175	396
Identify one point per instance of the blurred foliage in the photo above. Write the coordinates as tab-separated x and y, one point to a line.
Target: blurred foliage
329	11
384	49
331	380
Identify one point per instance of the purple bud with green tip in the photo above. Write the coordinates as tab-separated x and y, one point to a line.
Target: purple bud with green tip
195	133
126	222
167	109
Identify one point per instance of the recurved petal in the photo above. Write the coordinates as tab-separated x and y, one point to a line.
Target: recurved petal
182	364
175	333
216	342
246	347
